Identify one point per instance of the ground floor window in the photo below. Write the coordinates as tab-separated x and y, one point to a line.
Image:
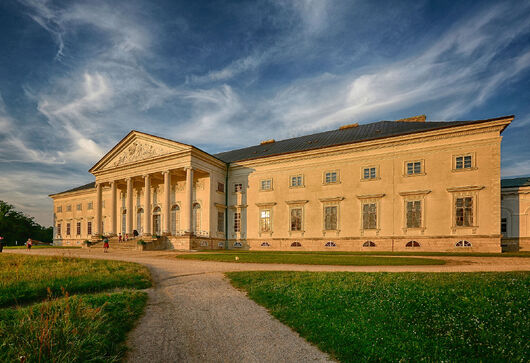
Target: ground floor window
330	244
237	221
370	216
369	244
296	219
175	219
464	211
265	220
67	229
59	229
412	244
330	217
413	214
296	244
220	221
463	243
89	228
504	225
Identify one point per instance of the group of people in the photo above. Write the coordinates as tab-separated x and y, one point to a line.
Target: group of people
121	238
29	244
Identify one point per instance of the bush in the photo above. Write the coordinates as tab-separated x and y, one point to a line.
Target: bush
141	242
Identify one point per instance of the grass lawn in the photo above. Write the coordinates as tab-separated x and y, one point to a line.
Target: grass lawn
401	316
39	247
61	327
309	258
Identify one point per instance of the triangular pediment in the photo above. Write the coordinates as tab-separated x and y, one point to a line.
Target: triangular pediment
137	147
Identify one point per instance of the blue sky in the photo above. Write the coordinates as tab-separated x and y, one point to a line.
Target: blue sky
77	76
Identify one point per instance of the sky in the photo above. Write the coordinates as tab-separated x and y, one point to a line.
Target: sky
77	76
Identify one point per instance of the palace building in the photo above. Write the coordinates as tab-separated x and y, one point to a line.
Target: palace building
385	186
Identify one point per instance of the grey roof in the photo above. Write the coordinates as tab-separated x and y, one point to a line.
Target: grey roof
372	131
82	187
515	182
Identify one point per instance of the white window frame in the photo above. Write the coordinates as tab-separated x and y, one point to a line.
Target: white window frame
299	177
473	165
269	180
370	168
331	182
422	168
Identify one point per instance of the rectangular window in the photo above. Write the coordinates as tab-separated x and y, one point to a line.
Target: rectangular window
370	216
504	225
330	218
59	209
296	181
414	214
463	162
220	187
89	228
266	184
90	205
296	219
79	206
59	229
265	220
237	222
67	229
414	168
238	187
369	173
330	177
220	221
68	208
78	228
464	211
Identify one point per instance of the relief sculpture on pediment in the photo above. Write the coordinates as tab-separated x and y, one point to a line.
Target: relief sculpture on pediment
137	151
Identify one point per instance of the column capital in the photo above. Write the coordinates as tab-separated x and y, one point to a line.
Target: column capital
188	168
146	176
165	172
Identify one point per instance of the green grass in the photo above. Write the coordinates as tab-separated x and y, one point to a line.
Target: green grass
71	329
382	253
309	259
401	316
25	278
39	247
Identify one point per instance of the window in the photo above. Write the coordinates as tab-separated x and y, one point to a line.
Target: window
369	173
463	243
68	208
296	181
414	214
237	222
370	216
59	229
220	244
368	244
59	209
265	244
330	177
463	162
220	187
90	205
504	225
266	184
412	244
220	221
414	168
296	244
238	244
330	218
67	229
265	220
296	219
204	244
238	187
175	219
79	206
89	228
330	244
464	211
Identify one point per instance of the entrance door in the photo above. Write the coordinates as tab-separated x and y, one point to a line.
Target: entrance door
156	224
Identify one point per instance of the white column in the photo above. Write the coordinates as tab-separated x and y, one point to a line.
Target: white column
98	208
188	202
147	205
114	208
167	202
129	206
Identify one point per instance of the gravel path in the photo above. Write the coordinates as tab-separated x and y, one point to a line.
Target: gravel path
194	314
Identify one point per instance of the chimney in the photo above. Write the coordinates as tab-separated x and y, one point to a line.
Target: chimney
270	141
419	118
349	126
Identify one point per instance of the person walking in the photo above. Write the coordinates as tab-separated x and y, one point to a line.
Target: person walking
119	237
126	237
105	245
29	244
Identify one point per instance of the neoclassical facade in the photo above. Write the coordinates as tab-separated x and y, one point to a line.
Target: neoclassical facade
515	214
389	186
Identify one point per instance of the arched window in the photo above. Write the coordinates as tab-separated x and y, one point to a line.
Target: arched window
330	244
157	222
238	244
368	244
204	244
265	244
296	244
196	217
412	244
220	244
175	219
463	243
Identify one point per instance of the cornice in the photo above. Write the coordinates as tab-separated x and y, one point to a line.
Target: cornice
302	201
414	192
266	204
333	199
467	188
371	196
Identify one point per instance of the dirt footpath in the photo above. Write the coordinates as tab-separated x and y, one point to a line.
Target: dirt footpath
194	314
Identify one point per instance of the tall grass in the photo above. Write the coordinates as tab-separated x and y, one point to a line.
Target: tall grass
25	278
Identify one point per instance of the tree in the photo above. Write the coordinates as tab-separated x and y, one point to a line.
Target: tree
16	226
